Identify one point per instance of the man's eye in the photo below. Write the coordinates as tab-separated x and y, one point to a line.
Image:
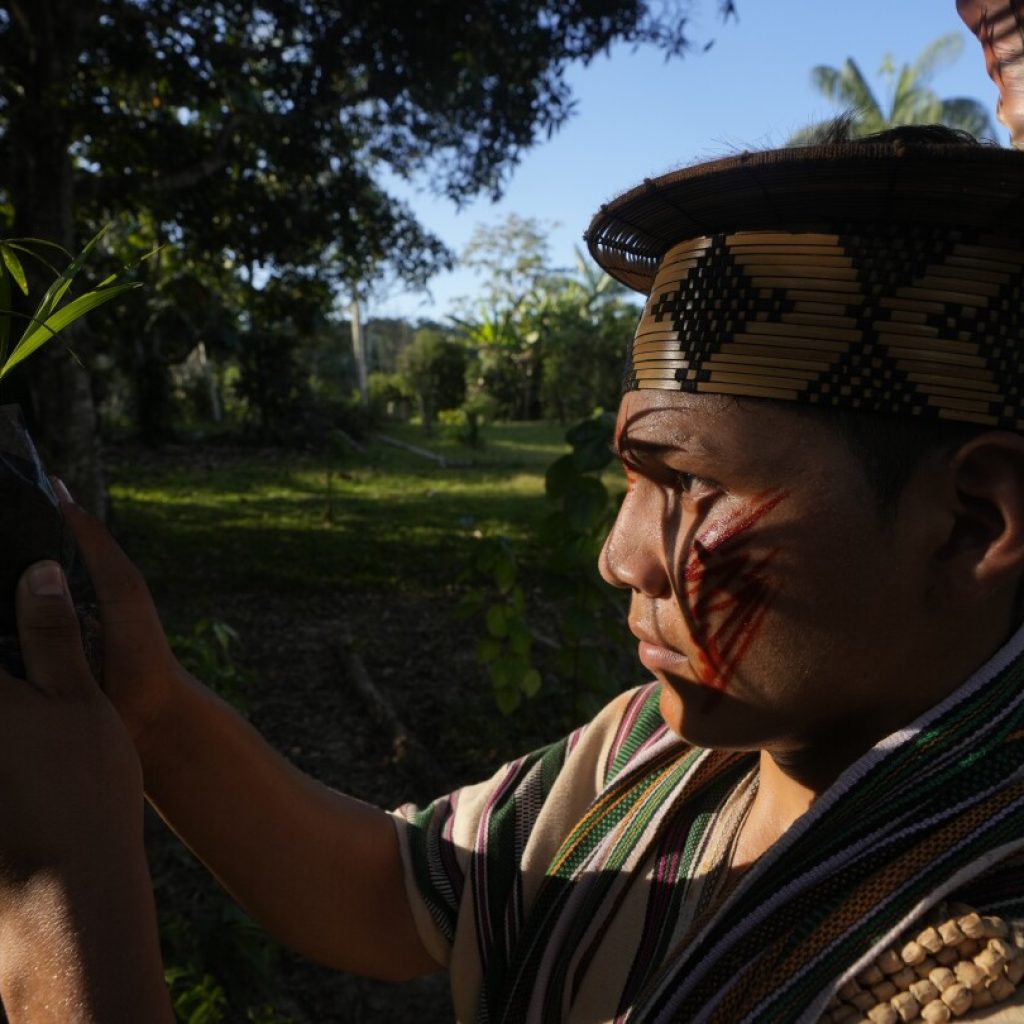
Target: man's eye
688	483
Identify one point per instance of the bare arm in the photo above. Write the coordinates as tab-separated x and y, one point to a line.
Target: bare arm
319	870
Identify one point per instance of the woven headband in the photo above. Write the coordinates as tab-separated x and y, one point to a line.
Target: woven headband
905	321
884	276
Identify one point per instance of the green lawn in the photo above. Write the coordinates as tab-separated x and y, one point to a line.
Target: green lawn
249	519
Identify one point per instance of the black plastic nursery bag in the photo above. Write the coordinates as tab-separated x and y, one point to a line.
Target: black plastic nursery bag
30	523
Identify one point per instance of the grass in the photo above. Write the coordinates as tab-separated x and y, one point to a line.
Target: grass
255	518
533	444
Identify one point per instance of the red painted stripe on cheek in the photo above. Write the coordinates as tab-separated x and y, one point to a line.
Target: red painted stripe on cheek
727	591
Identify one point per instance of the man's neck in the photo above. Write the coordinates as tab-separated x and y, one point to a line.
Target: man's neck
781	798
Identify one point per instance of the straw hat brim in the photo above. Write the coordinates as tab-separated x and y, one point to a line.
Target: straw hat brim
832	187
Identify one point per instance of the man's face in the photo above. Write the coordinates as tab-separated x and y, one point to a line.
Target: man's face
779	606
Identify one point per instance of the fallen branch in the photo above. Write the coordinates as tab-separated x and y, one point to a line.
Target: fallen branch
409	753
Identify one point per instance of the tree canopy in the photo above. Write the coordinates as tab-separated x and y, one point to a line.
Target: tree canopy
257	129
255	133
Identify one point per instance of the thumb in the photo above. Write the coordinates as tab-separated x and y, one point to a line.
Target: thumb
51	643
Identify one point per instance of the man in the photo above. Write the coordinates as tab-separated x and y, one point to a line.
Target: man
818	808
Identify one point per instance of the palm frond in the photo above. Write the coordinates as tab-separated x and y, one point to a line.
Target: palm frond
911	102
968	115
938	54
856	92
826	80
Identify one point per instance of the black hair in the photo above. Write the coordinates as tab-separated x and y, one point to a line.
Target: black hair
890	448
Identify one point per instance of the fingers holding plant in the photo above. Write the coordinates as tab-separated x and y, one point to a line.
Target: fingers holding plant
139	671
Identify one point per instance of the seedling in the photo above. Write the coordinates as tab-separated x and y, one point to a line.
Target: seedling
30	516
50	316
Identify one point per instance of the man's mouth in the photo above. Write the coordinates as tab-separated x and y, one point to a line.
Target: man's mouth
654	655
657	659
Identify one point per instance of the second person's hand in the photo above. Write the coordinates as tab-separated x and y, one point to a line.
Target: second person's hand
139	673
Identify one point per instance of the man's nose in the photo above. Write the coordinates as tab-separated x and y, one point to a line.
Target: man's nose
634	554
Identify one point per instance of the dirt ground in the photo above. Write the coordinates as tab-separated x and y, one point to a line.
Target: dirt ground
303	702
418	655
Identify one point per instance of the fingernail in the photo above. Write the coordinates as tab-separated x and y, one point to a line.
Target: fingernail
46	579
62	489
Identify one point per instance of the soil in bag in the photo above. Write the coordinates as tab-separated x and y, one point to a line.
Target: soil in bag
30	523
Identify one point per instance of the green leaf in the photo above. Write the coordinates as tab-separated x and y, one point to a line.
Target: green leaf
591	442
14	267
560	476
552	531
488	553
487	650
598	428
56	290
592	456
507	699
586	504
531	683
519	637
5	316
500	677
497	625
56	322
470	605
505	573
225	635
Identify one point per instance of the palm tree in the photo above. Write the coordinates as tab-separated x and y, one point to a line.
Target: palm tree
910	99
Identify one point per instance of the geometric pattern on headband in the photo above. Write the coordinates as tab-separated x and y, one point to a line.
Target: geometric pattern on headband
907	321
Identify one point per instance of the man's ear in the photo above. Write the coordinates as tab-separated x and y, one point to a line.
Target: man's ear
985	547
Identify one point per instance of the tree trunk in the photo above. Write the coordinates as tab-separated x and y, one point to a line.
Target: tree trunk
209	374
62	413
359	350
427	412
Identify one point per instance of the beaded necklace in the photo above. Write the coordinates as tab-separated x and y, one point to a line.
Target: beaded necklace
961	961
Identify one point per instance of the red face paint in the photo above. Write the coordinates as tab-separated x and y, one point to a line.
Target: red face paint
726	591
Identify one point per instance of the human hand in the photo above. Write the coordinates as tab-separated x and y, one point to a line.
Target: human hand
999	26
139	672
78	936
71	784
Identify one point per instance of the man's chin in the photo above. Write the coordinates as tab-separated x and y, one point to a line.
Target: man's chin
707	717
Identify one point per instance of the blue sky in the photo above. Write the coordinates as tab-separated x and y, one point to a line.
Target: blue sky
638	116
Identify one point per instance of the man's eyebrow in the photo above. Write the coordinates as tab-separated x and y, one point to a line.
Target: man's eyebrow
636	450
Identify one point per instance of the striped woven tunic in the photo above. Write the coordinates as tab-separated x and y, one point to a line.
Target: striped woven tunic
589	881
